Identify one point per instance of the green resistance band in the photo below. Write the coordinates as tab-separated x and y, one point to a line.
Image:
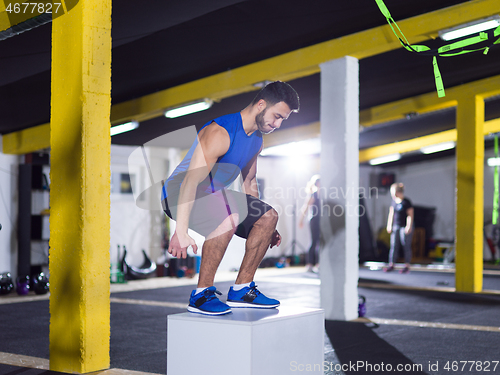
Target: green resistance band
488	39
494	219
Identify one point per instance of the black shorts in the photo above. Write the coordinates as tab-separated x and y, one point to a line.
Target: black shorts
210	210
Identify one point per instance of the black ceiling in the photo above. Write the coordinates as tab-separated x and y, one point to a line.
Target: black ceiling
159	44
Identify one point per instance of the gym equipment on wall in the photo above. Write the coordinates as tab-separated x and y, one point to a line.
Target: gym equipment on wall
116	269
145	271
494	242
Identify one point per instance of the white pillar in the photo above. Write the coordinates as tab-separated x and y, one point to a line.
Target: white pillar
339	116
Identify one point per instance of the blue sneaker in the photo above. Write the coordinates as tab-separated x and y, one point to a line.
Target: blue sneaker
207	303
250	296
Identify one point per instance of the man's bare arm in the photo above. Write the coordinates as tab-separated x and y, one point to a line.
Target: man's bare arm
213	142
250	187
249	174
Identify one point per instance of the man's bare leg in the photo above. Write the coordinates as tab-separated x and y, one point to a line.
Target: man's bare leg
214	249
257	243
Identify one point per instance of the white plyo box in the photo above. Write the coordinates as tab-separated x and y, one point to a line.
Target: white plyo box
246	342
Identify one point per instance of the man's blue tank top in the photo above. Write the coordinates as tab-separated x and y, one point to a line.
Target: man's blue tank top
241	151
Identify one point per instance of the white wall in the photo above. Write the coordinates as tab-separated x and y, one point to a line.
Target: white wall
132	226
8	213
141	227
488	186
137	227
285	179
430	184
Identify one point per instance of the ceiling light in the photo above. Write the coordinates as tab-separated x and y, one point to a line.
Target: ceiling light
438	147
189	108
385	159
470	28
118	129
411	115
300	148
493	162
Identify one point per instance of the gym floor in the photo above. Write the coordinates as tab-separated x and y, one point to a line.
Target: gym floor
413	320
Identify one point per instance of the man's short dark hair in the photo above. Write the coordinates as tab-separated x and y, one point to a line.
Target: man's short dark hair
276	92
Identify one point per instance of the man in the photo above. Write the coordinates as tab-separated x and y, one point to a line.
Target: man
400	226
196	196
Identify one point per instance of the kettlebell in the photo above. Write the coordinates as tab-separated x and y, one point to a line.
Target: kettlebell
6	283
23	285
41	283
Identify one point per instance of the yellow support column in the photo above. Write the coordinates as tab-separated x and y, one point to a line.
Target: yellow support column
469	217
80	188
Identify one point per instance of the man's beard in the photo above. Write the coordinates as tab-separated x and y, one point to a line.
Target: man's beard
259	120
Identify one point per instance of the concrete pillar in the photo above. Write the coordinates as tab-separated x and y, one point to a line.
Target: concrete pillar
470	205
339	117
80	188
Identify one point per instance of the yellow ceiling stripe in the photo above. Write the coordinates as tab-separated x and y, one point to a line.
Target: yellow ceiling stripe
429	102
302	62
415	144
28	140
406	146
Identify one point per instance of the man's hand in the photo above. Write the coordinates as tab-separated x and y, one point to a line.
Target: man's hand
179	244
407	230
275	239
